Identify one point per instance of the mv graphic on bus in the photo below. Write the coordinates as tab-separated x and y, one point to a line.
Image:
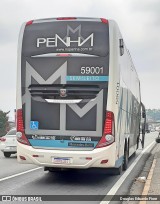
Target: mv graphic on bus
78	95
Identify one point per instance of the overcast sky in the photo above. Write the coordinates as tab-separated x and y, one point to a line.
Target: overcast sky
139	22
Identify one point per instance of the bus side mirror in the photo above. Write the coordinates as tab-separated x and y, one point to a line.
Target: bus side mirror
121	46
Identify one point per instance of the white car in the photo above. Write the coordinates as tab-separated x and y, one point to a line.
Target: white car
8	143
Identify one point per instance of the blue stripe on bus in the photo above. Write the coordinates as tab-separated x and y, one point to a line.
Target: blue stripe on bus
57	143
87	78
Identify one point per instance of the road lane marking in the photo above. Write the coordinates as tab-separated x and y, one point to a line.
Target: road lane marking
19	174
117	185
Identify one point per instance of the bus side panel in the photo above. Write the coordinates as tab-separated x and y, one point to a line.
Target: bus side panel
129	104
123	94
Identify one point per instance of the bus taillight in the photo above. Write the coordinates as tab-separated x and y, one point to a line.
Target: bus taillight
20	129
66	18
109	131
109	124
63	55
20	126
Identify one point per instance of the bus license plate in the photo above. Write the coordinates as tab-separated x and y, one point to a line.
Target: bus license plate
58	160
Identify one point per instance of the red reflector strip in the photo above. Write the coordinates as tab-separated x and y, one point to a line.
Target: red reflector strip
104	161
68	18
29	22
3	139
104	20
22	158
88	158
35	155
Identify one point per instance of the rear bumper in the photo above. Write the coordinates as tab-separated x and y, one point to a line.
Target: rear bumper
78	157
5	148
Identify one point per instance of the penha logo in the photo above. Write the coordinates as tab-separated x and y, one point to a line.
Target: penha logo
66	41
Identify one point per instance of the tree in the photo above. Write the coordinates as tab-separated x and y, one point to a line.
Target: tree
4	124
153	114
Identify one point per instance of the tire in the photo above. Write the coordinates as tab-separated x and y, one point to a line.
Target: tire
158	139
46	168
138	140
134	154
119	170
115	171
126	155
7	154
52	169
142	142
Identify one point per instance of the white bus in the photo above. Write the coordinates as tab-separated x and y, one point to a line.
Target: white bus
78	95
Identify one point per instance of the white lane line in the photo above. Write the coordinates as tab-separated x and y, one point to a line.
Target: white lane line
19	174
117	185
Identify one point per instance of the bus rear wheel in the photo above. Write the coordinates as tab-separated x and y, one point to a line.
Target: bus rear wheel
52	169
126	156
118	170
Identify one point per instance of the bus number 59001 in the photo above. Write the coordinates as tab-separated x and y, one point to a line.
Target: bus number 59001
91	70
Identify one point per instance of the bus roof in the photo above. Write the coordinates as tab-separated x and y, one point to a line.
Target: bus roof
103	20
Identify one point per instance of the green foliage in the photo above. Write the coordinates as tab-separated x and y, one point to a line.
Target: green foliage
153	114
4	125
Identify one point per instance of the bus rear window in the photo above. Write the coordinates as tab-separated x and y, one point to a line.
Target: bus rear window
84	37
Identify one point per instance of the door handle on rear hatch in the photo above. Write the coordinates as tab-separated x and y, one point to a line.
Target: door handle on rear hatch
68	101
63	101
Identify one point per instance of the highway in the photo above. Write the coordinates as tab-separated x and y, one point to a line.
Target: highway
77	182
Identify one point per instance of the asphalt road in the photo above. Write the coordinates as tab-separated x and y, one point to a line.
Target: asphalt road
75	182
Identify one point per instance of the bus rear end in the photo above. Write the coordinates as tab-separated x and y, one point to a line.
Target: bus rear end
62	88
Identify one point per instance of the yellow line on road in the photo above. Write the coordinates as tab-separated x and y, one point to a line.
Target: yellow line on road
118	184
148	182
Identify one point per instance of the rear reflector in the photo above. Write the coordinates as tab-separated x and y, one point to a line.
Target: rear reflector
2	139
22	157
29	23
104	161
88	158
104	20
35	155
67	18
